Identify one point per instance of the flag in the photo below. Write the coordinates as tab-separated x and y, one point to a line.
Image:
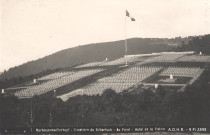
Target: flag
128	15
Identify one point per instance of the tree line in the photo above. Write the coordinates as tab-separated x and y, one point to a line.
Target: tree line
197	44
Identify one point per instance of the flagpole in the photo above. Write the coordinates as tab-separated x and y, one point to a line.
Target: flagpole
126	48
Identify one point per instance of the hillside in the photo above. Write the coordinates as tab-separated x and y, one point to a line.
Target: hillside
87	53
167	88
109	94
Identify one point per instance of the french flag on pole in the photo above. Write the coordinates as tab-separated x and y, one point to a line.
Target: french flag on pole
128	15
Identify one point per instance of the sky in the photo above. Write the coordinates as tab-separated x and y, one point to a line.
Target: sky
31	29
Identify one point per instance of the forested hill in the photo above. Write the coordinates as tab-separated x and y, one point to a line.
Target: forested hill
89	53
197	44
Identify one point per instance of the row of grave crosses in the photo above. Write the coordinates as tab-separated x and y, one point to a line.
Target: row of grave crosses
35	81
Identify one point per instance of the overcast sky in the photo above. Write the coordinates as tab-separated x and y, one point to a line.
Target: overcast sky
31	29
